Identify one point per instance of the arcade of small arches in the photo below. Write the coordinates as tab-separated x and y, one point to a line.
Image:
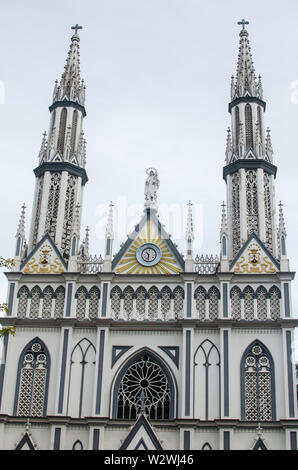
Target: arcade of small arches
151	304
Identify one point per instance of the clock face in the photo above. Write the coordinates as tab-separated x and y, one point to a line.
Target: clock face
148	254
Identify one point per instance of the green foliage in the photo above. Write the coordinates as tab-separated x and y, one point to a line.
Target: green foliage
8	330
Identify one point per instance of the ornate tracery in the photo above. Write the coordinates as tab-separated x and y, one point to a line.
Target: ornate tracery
144	386
32	378
257	374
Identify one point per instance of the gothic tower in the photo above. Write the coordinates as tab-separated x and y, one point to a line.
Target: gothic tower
61	175
249	172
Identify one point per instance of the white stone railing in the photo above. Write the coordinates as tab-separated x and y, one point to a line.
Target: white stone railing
206	264
91	264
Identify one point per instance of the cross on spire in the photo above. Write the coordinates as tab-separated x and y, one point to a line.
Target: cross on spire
76	27
243	23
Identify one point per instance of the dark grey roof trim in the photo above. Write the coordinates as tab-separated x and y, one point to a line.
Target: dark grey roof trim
67	104
249	164
62	166
246	99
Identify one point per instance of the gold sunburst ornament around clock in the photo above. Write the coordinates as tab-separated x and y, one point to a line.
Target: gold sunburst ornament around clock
148	254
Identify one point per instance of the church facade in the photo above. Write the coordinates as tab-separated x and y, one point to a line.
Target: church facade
150	348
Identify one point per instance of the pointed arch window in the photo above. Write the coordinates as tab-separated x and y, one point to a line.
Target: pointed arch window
62	129
178	302
261	294
206	373
59	302
166	296
214	296
81	296
249	296
237	127
141	295
257	384
144	384
53	204
200	296
128	295
94	296
252	202
274	296
36	296
74	131
236	295
23	296
48	294
236	212
116	295
153	294
81	377
32	380
248	127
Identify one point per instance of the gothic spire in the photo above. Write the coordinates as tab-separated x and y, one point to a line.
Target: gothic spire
244	84
21	226
71	87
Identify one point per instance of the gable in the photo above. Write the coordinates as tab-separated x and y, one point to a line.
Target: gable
149	238
44	259
141	437
26	443
254	258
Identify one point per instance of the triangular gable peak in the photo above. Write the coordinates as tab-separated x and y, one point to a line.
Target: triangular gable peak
26	443
44	259
254	258
141	437
148	250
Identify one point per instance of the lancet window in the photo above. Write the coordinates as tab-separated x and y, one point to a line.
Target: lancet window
32	379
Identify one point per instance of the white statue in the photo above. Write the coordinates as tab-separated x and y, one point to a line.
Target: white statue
151	187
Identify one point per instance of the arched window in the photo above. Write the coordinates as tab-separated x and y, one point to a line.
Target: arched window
144	384
261	295
252	202
116	295
235	295
248	127
257	384
62	128
178	302
94	296
81	377
274	296
206	372
248	303
166	297
36	295
141	295
53	204
59	302
23	295
153	295
128	295
73	131
81	296
236	212
237	127
32	380
48	294
200	296
69	207
213	296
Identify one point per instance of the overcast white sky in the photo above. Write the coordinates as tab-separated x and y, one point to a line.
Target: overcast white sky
158	80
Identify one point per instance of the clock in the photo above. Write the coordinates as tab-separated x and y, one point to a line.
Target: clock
148	254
